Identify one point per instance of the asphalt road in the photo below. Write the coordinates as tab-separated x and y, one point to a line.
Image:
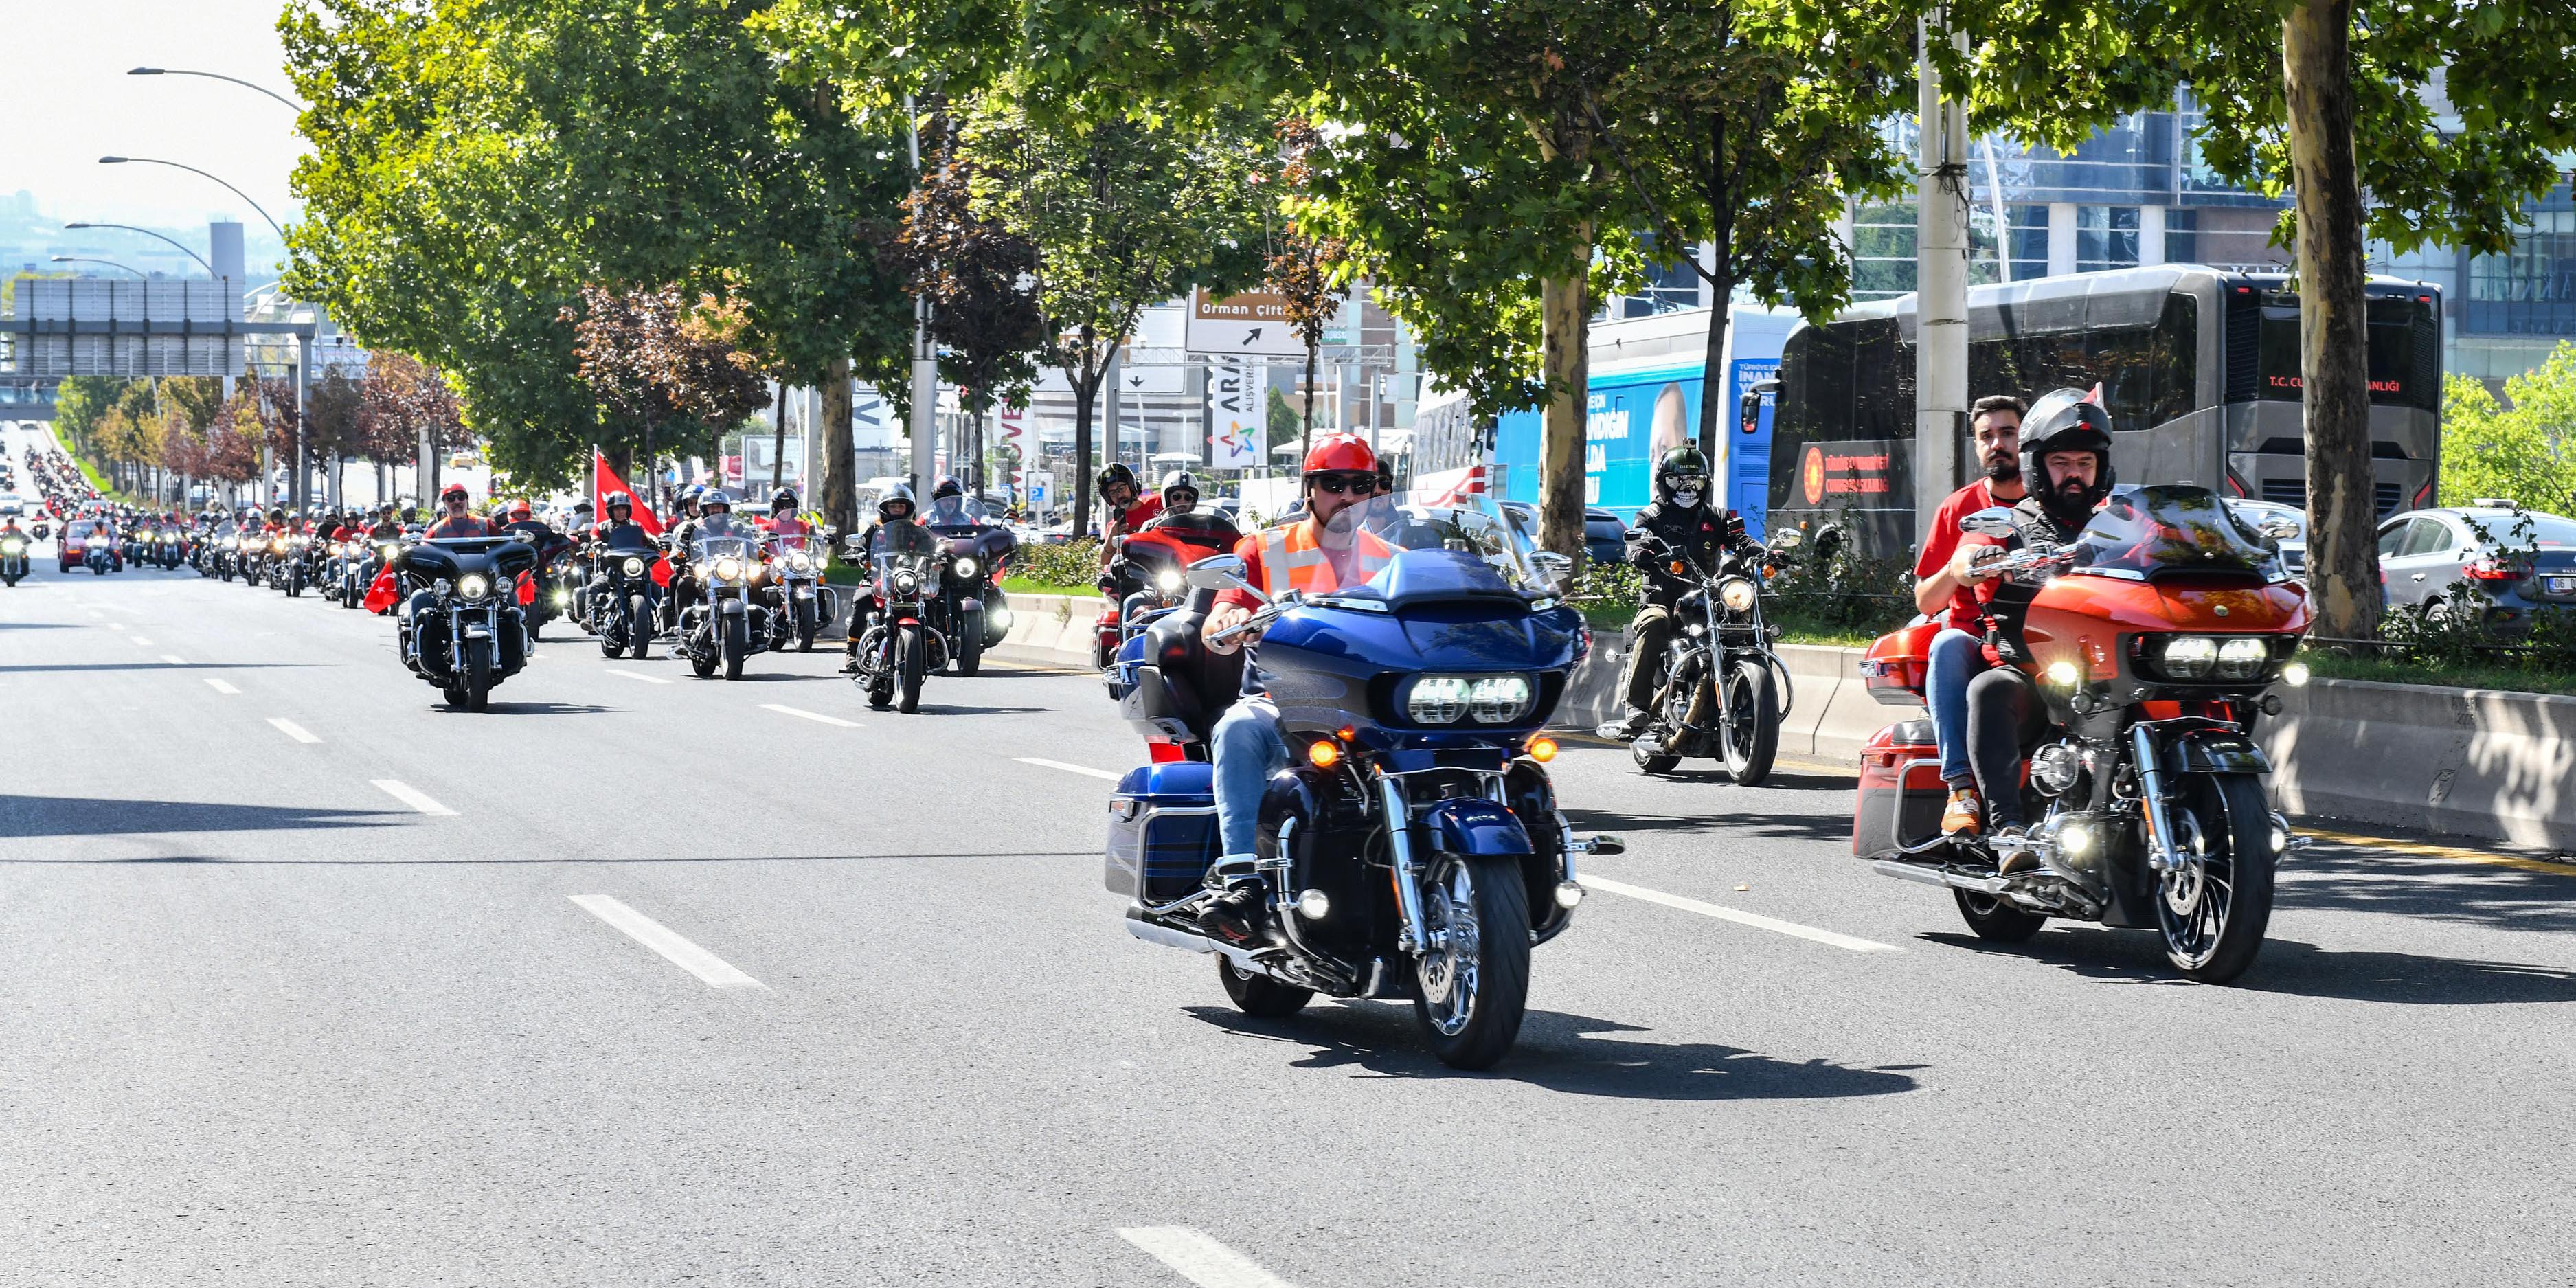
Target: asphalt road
311	981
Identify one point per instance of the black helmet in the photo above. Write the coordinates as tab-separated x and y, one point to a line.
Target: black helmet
1179	481
782	499
1118	473
2066	420
610	503
1686	464
713	497
689	497
949	486
277	514
900	494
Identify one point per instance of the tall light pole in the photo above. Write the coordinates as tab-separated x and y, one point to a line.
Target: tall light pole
925	357
173	71
76	259
1940	277
183	247
272	223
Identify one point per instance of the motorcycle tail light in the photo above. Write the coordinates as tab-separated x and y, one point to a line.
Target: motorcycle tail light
2242	658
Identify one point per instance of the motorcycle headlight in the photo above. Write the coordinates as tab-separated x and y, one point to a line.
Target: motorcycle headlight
232	543
385	550
15	547
1169	581
634	567
563	598
728	568
277	547
1499	700
799	562
904	582
2242	658
2188	657
473	585
963	567
1437	699
1737	594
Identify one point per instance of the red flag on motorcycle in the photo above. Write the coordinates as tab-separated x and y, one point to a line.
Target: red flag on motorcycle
605	481
662	571
527	589
381	596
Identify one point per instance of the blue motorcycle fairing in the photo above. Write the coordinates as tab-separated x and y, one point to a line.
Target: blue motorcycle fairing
1473	825
1326	664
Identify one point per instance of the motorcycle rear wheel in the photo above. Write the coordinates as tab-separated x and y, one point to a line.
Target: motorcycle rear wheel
914	659
1259	994
2212	912
703	659
1652	762
1469	997
1995	919
1748	729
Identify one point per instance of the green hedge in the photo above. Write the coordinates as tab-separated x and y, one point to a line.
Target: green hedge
1828	596
1076	563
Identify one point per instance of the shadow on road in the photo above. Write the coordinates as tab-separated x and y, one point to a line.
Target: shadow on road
496	707
2292	968
26	816
2345	878
943	709
1731	823
150	666
1560	1053
40	626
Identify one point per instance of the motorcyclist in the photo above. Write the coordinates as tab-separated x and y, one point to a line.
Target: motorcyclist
895	532
522	521
947	502
2066	465
1680	523
459	519
384	528
782	520
1126	510
620	531
1946	589
1325	550
1179	492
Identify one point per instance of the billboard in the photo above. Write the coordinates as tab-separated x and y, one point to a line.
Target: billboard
1238	412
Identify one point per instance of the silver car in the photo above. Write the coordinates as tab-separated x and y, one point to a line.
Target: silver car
2513	561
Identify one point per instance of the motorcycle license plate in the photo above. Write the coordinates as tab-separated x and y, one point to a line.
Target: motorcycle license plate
2561	585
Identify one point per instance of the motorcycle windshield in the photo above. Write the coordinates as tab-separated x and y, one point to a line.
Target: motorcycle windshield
1472	526
955	512
1198	526
2172	529
711	547
812	545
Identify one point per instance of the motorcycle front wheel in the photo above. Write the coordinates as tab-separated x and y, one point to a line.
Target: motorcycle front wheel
915	659
1748	731
806	626
2212	910
639	625
1469	995
737	646
970	645
478	679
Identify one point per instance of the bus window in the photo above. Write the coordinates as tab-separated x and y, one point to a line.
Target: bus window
2399	373
1882	382
1816	385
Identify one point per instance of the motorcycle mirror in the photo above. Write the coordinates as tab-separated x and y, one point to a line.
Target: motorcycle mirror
1993	521
1556	568
1220	572
2279	529
1789	540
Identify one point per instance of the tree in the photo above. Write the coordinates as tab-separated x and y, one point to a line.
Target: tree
2347	111
2525	454
1300	270
1122	212
665	365
980	278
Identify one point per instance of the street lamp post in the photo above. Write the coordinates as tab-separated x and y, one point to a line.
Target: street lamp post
79	259
183	246
173	71
272	223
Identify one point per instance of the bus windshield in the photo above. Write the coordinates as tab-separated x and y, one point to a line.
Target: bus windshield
2399	368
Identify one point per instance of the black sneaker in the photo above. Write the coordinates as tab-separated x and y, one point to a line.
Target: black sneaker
1228	917
1634	726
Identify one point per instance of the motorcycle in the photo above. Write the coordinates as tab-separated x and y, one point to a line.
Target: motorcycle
624	603
2151	642
1412	847
727	624
13	558
98	554
1720	691
461	631
798	601
900	646
170	547
1147	575
970	611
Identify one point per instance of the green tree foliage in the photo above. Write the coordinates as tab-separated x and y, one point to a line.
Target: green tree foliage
2525	453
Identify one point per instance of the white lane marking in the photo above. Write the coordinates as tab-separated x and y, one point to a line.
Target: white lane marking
174	659
292	729
116	626
1754	919
638	675
140	640
410	795
815	716
1070	769
221	687
1200	1259
716	971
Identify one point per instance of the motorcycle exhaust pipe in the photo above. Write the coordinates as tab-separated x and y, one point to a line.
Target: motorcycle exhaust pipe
1938	877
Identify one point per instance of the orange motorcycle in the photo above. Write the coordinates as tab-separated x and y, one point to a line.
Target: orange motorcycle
2151	641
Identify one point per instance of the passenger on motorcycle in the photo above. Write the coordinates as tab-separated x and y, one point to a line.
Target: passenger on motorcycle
1127	511
1179	493
459	521
1679	523
894	532
2066	465
1949	588
523	521
1320	552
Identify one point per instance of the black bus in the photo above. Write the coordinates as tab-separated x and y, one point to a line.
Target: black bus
2198	367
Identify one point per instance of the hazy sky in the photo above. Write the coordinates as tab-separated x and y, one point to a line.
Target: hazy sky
67	102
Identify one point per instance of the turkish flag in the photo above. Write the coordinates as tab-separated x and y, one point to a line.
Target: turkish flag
605	481
381	595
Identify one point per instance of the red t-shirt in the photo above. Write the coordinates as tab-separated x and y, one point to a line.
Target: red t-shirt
1941	544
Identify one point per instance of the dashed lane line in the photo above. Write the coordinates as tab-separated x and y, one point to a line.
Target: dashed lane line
637	675
292	729
1200	1259
174	659
140	641
411	796
222	687
1085	770
815	716
1849	943
716	971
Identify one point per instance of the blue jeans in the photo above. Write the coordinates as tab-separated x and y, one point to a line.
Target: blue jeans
1247	750
1956	658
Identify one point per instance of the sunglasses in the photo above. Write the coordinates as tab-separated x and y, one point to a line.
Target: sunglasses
1346	484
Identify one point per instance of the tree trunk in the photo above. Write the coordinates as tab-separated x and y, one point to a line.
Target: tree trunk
840	458
1086	386
2343	566
1565	312
1306	425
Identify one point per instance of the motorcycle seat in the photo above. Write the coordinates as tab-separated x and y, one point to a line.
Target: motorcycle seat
1197	685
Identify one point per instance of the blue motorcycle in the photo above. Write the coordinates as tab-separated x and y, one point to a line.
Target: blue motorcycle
1412	848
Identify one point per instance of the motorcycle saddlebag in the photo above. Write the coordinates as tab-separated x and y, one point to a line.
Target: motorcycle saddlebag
1162	831
1893	667
1901	795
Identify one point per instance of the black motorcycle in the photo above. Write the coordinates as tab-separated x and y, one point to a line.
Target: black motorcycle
901	646
623	605
1720	690
13	557
727	623
969	610
462	630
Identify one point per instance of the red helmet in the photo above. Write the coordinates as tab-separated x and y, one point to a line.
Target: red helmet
520	509
1336	453
454	491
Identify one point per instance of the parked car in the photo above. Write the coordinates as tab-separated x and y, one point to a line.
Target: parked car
2294	549
1605	535
2509	561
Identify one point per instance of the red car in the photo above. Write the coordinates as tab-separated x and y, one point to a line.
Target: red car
75	544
